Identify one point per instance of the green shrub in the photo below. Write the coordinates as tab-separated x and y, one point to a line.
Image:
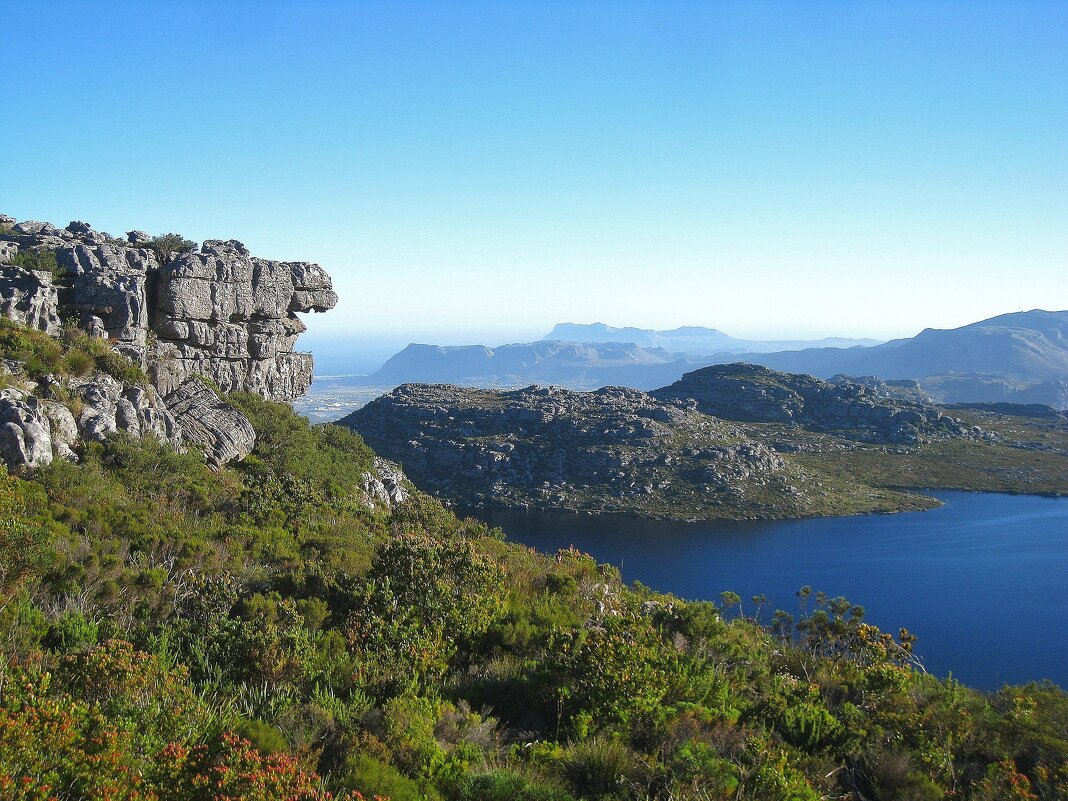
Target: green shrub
78	363
265	738
72	631
504	786
601	766
119	367
372	777
40	259
163	246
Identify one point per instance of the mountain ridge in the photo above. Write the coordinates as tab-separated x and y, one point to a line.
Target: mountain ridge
1016	357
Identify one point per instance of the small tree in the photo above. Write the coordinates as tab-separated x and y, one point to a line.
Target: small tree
730	599
167	244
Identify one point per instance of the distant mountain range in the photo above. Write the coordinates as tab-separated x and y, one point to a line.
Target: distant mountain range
1020	357
690	340
578	365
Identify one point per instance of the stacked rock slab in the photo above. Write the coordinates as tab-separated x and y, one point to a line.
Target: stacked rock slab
217	427
232	317
220	313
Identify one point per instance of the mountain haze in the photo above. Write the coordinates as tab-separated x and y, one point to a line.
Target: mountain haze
1019	356
690	340
570	363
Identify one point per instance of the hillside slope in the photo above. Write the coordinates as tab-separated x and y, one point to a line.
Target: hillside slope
302	624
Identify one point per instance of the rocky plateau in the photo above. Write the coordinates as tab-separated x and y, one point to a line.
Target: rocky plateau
610	450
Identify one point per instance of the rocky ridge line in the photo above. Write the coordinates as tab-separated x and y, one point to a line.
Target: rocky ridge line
874	412
613	449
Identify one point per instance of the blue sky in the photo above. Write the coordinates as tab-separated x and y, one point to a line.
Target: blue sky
479	171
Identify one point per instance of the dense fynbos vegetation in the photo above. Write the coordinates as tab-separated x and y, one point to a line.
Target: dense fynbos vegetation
262	633
74	353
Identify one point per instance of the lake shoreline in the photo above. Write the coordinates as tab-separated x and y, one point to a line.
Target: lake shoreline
998	552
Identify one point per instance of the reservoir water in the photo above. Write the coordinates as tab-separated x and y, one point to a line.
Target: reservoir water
982	580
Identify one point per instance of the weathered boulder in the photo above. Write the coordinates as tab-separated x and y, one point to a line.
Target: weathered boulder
218	428
385	484
25	434
35	228
109	406
64	429
29	297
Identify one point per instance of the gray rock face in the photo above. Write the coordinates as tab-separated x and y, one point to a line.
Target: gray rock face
225	314
750	393
110	281
614	449
28	297
902	389
64	429
109	407
385	485
34	430
220	312
25	434
223	432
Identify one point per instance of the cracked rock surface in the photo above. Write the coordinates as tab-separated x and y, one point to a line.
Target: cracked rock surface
216	312
219	312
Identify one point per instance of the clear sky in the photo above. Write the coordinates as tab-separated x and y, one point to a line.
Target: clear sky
474	171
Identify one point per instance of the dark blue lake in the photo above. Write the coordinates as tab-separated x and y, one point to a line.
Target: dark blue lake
982	581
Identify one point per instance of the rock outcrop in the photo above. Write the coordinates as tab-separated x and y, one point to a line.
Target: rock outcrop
28	296
25	432
218	428
614	449
37	427
755	394
110	406
217	312
384	484
232	317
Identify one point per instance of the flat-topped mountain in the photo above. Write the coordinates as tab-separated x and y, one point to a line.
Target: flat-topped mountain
690	340
756	394
573	356
551	362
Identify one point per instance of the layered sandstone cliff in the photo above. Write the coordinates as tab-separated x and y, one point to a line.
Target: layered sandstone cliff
215	313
